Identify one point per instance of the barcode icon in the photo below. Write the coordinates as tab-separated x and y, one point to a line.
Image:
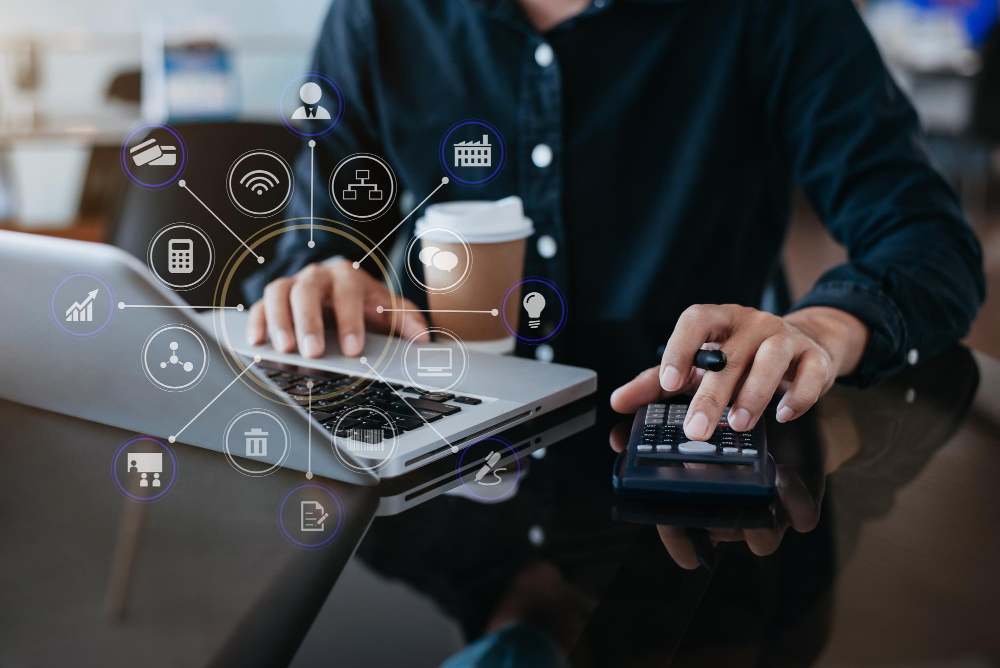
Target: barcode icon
365	440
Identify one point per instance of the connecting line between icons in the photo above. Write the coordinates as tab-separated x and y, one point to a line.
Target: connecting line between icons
173	438
312	179
444	182
454	448
183	184
382	309
122	306
309	466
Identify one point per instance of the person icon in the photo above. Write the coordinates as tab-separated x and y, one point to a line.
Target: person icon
133	468
143	482
310	93
156	480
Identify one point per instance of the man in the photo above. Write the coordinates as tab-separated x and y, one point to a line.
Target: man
655	144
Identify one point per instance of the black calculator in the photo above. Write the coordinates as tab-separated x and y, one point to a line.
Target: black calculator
661	462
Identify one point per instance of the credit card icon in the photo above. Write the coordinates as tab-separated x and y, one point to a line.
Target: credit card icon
152	153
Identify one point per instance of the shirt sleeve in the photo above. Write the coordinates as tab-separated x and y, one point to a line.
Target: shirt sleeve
343	53
851	141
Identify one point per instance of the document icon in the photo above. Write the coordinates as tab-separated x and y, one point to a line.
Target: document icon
313	516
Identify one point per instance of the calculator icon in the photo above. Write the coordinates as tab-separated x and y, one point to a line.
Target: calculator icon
180	256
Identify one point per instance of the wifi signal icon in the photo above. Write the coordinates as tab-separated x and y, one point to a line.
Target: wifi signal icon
259	181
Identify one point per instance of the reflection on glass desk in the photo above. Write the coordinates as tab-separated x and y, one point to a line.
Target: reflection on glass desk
880	549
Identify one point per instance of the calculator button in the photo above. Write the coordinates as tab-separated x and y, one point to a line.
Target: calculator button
695	447
749	452
659	406
645	448
664	448
730	451
650	420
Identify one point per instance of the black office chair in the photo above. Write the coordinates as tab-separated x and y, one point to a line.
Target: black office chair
211	149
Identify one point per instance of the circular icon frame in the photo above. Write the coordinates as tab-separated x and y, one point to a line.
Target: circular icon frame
454	337
235	200
409	265
517	477
445	143
152	377
232	458
334	122
176	174
389	201
382	463
183	286
332	536
562	315
55	316
118	483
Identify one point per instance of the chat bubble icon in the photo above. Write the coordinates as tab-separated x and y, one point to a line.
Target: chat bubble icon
445	260
427	254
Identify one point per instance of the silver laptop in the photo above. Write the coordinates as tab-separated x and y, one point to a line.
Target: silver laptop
68	347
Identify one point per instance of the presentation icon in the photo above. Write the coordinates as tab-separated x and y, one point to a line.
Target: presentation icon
363	186
175	358
310	516
144	469
311	105
259	183
180	256
82	305
153	156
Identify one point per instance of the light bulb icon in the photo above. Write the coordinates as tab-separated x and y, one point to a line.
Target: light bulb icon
533	304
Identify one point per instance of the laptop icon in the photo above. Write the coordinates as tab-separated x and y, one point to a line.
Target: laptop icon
434	362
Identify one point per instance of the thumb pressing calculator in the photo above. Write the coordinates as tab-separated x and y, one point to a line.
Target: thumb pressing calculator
661	462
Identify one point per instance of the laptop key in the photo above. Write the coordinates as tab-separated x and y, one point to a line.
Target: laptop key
472	401
424	405
440	397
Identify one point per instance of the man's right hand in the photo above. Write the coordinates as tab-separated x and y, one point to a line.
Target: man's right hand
291	312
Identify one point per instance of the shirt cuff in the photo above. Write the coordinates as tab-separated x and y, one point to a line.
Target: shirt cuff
887	343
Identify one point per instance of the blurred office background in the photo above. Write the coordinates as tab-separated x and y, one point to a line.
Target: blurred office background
75	77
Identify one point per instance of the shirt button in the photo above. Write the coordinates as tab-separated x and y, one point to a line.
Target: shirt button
912	357
544	55
547	247
541	155
544	353
599	3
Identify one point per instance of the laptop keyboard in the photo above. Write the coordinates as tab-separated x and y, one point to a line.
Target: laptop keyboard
408	408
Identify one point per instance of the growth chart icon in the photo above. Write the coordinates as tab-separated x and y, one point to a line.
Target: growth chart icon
82	311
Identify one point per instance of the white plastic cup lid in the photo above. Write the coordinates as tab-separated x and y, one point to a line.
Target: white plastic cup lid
479	221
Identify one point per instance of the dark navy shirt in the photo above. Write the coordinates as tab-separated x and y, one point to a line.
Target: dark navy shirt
678	130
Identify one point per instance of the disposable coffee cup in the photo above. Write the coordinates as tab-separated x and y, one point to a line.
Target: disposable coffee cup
477	273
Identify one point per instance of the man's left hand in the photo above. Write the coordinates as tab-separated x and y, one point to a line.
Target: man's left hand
802	353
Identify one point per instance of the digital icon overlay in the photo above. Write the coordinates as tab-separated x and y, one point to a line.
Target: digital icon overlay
490	470
311	105
364	438
445	361
82	305
310	516
144	469
473	152
175	358
181	256
259	183
438	259
363	186
542	297
256	442
153	156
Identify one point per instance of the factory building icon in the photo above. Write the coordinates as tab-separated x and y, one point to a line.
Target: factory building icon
474	153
